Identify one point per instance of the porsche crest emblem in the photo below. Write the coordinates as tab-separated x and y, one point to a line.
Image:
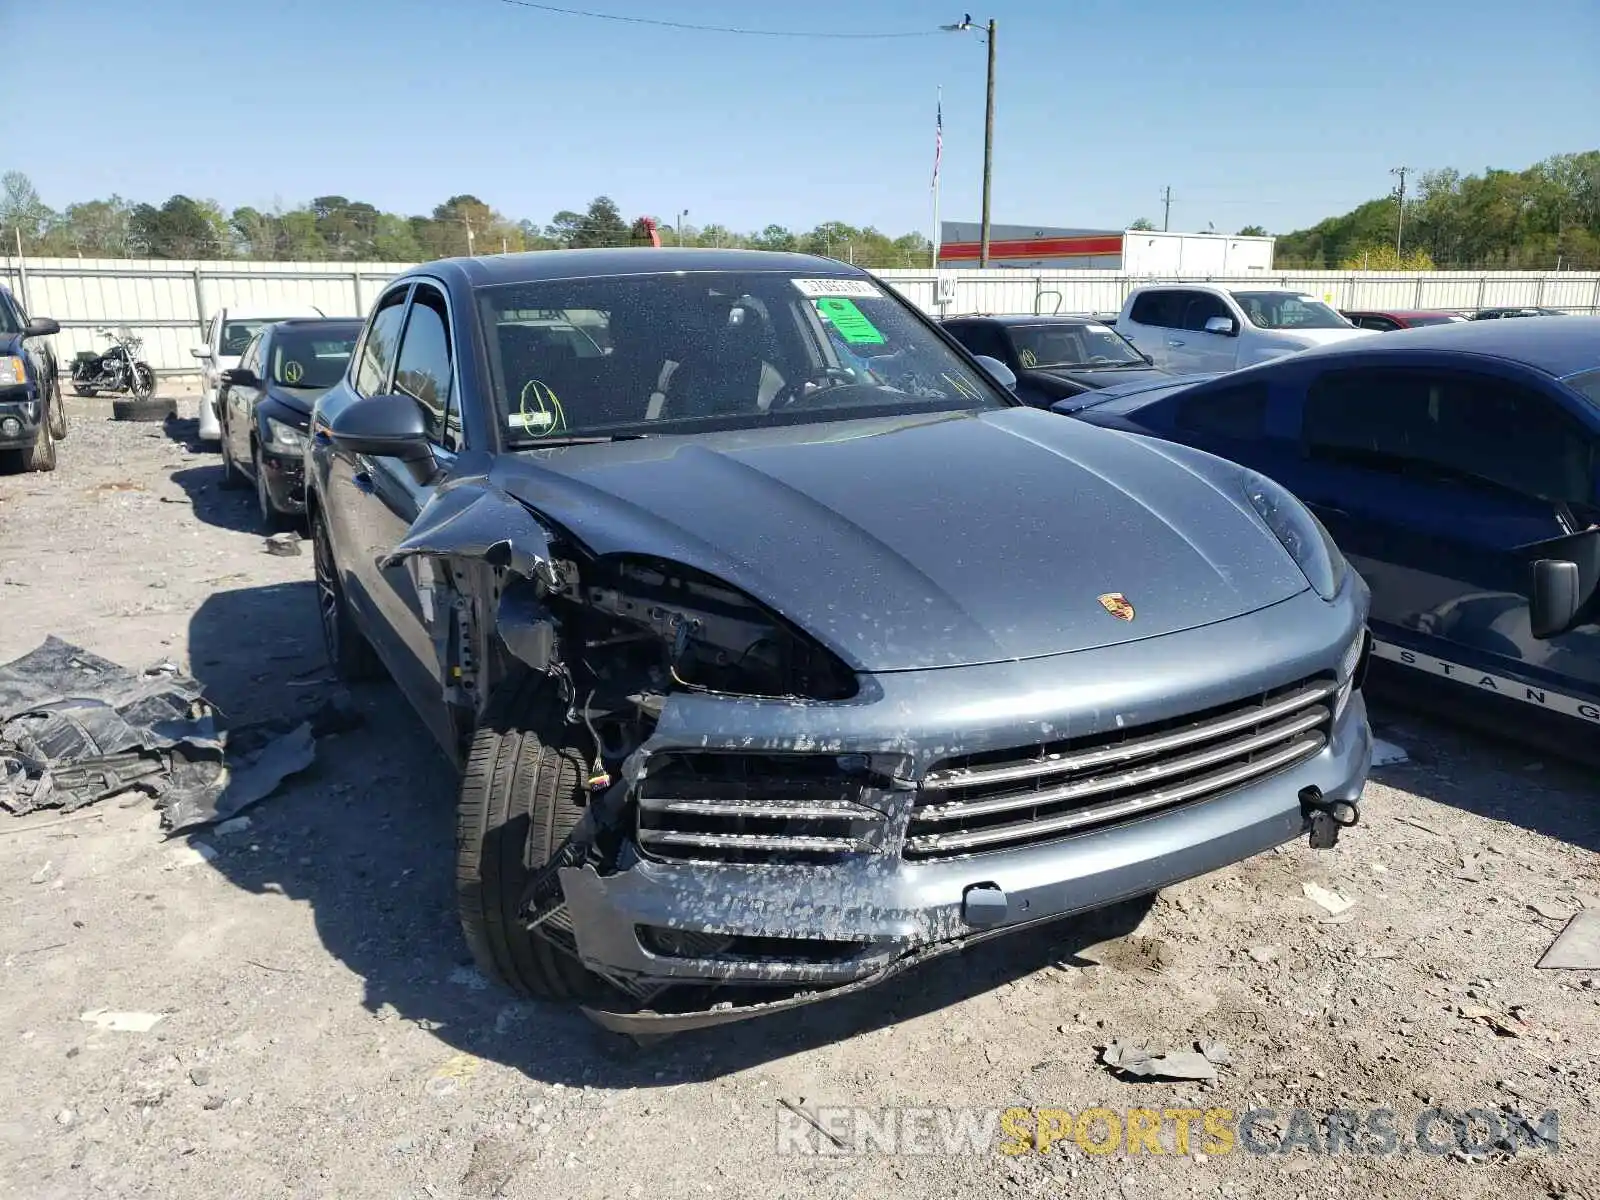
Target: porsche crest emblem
1117	605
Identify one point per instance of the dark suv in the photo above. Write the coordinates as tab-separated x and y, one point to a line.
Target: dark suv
32	415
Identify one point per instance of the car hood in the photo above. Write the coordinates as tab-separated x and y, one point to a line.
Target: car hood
300	400
1100	377
1318	337
930	541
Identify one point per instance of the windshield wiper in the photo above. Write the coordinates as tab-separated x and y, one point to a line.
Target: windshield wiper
576	439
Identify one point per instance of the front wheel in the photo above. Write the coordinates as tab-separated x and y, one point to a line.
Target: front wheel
58	410
522	793
41	456
143	381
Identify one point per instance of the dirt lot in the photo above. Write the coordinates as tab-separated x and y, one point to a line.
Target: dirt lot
324	1034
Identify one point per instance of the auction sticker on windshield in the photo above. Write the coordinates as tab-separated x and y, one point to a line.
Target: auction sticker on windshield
817	289
849	320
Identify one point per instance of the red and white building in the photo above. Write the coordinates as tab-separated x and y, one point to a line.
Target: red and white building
1142	252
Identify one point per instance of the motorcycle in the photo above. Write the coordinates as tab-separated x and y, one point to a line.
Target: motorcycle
118	369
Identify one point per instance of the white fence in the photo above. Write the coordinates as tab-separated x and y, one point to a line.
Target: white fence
168	301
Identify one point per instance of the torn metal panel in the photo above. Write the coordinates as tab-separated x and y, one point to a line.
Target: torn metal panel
472	519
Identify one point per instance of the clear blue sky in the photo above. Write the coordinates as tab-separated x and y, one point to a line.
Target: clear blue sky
1275	113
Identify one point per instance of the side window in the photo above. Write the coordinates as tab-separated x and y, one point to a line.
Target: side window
1200	307
424	372
1231	412
377	346
982	338
251	359
1469	426
1158	308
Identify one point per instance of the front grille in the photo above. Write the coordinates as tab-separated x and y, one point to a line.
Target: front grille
755	808
688	943
999	801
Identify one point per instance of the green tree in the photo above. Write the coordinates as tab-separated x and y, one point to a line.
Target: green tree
601	225
774	237
393	240
1142	223
180	228
1252	231
22	213
92	229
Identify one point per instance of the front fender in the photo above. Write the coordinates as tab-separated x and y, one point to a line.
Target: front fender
470	518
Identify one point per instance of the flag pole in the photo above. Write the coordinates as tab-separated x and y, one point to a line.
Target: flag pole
937	155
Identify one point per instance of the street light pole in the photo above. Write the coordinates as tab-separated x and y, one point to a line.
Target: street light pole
988	152
681	216
987	31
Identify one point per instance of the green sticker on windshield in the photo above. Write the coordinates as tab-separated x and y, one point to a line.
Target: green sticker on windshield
850	321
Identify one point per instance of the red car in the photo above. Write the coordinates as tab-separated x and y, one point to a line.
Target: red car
1391	319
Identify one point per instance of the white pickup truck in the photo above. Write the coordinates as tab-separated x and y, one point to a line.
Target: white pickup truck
1194	328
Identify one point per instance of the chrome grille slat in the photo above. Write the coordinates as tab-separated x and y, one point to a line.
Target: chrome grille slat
939	844
1140	747
1133	777
773	809
750	841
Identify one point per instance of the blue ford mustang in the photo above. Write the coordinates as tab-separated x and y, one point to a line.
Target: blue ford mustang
1458	466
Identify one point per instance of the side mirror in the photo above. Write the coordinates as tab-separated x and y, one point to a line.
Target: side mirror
41	327
1226	326
240	377
998	371
201	352
382	427
1556	597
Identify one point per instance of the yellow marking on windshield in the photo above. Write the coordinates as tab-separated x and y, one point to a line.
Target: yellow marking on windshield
293	372
539	407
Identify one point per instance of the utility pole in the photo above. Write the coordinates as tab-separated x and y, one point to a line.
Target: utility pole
988	152
1166	207
681	216
988	32
467	221
1400	219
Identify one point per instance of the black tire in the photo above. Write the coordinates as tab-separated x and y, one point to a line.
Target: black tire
41	456
232	477
349	653
522	792
272	519
144	381
58	410
150	408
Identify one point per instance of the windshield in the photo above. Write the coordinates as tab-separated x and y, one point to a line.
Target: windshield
1286	310
684	352
236	335
1586	384
311	358
1071	344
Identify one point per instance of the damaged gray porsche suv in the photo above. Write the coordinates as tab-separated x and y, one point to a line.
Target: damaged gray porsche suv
780	647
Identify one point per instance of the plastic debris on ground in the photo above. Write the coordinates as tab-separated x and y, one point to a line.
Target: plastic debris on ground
1577	948
1198	1064
76	729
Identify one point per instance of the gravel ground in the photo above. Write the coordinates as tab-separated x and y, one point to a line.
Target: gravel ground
323	1032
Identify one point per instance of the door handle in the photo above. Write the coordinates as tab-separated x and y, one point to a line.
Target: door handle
1174	342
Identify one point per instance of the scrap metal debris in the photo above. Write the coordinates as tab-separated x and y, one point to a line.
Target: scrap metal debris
285	545
1136	1061
1577	947
76	729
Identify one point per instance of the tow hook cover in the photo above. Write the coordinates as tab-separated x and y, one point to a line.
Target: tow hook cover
984	904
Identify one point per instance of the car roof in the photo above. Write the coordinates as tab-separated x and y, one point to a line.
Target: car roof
1029	319
249	311
1400	312
1558	348
536	265
315	322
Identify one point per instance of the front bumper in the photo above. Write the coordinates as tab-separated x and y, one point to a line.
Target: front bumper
848	924
19	420
210	426
285	478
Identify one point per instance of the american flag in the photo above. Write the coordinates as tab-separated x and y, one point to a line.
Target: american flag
938	139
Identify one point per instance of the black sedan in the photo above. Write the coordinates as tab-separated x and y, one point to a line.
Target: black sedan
1459	468
1055	357
781	648
265	408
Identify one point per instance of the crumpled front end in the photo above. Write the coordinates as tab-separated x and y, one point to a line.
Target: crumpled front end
770	852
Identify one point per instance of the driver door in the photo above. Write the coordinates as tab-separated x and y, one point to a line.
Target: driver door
391	498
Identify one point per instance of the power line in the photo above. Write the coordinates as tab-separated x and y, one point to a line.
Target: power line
776	33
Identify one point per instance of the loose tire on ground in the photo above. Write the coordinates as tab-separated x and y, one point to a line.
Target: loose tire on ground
522	792
349	653
151	408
